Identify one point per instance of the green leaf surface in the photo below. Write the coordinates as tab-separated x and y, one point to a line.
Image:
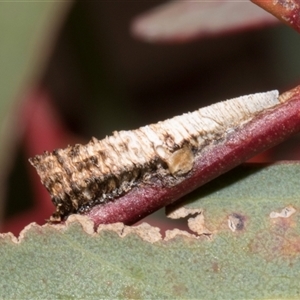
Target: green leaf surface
26	36
252	251
27	32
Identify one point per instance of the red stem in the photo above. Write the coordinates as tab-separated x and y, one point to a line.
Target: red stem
287	11
263	132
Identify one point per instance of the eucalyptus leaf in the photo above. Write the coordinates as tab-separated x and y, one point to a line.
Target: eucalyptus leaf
252	251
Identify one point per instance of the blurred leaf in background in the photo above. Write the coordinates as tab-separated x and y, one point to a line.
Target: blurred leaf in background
100	78
27	31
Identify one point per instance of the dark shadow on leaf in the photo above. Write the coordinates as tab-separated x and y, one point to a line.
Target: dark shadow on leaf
224	181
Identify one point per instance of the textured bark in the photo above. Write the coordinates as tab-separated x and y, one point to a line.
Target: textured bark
133	173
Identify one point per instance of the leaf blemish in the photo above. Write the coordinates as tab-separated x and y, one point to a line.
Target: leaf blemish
236	222
285	213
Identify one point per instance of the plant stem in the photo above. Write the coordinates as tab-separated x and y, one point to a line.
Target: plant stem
287	11
262	132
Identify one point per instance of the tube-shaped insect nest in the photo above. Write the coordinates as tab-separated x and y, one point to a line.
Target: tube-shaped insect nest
131	173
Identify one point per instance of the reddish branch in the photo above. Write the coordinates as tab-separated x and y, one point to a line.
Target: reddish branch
263	132
287	11
73	176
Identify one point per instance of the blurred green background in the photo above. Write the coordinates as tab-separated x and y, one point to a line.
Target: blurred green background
99	78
